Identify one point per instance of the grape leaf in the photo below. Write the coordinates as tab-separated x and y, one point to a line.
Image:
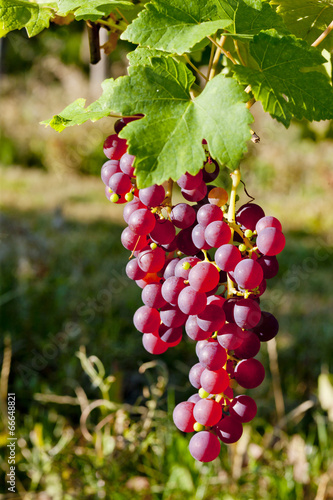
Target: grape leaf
76	113
307	19
174	25
286	79
249	17
18	14
167	142
142	55
91	9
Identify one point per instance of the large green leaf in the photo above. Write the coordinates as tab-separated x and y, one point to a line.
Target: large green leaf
307	19
286	79
249	18
91	9
168	141
174	25
76	113
18	14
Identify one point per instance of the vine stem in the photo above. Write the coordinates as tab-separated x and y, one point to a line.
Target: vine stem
187	59
323	35
225	52
236	178
216	57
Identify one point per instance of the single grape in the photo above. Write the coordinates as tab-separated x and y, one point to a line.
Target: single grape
188	181
214	382
204	277
249	347
247	313
142	221
122	122
133	270
195	374
218	196
249	373
146	319
204	446
120	183
270	265
114	147
132	241
193	330
227	257
229	430
126	164
152	297
183	215
190	301
151	261
153	344
171	289
228	308
210	171
152	196
270	241
183	416
209	213
207	412
213	356
230	336
172	316
163	232
248	215
248	274
212	318
267	328
268	221
243	408
217	233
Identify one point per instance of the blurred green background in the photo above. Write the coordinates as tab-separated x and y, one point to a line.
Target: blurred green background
93	408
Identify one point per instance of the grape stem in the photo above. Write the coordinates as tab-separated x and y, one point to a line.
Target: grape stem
236	178
168	194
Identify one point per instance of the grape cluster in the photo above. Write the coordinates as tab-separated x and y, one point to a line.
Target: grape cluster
201	270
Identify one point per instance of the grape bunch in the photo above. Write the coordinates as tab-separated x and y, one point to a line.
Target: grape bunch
202	268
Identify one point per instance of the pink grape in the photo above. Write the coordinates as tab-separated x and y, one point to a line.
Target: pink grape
198	237
133	270
230	336
247	313
227	256
109	168
204	446
196	194
182	215
249	347
204	277
188	181
170	268
142	221
172	336
146	319
181	271
195	374
207	412
152	297
183	416
171	289
132	241
131	207
209	213
270	241
152	196
172	316
163	232
216	300
212	318
190	301
151	261
213	356
248	274
214	382
120	183
217	233
153	344
268	221
126	164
